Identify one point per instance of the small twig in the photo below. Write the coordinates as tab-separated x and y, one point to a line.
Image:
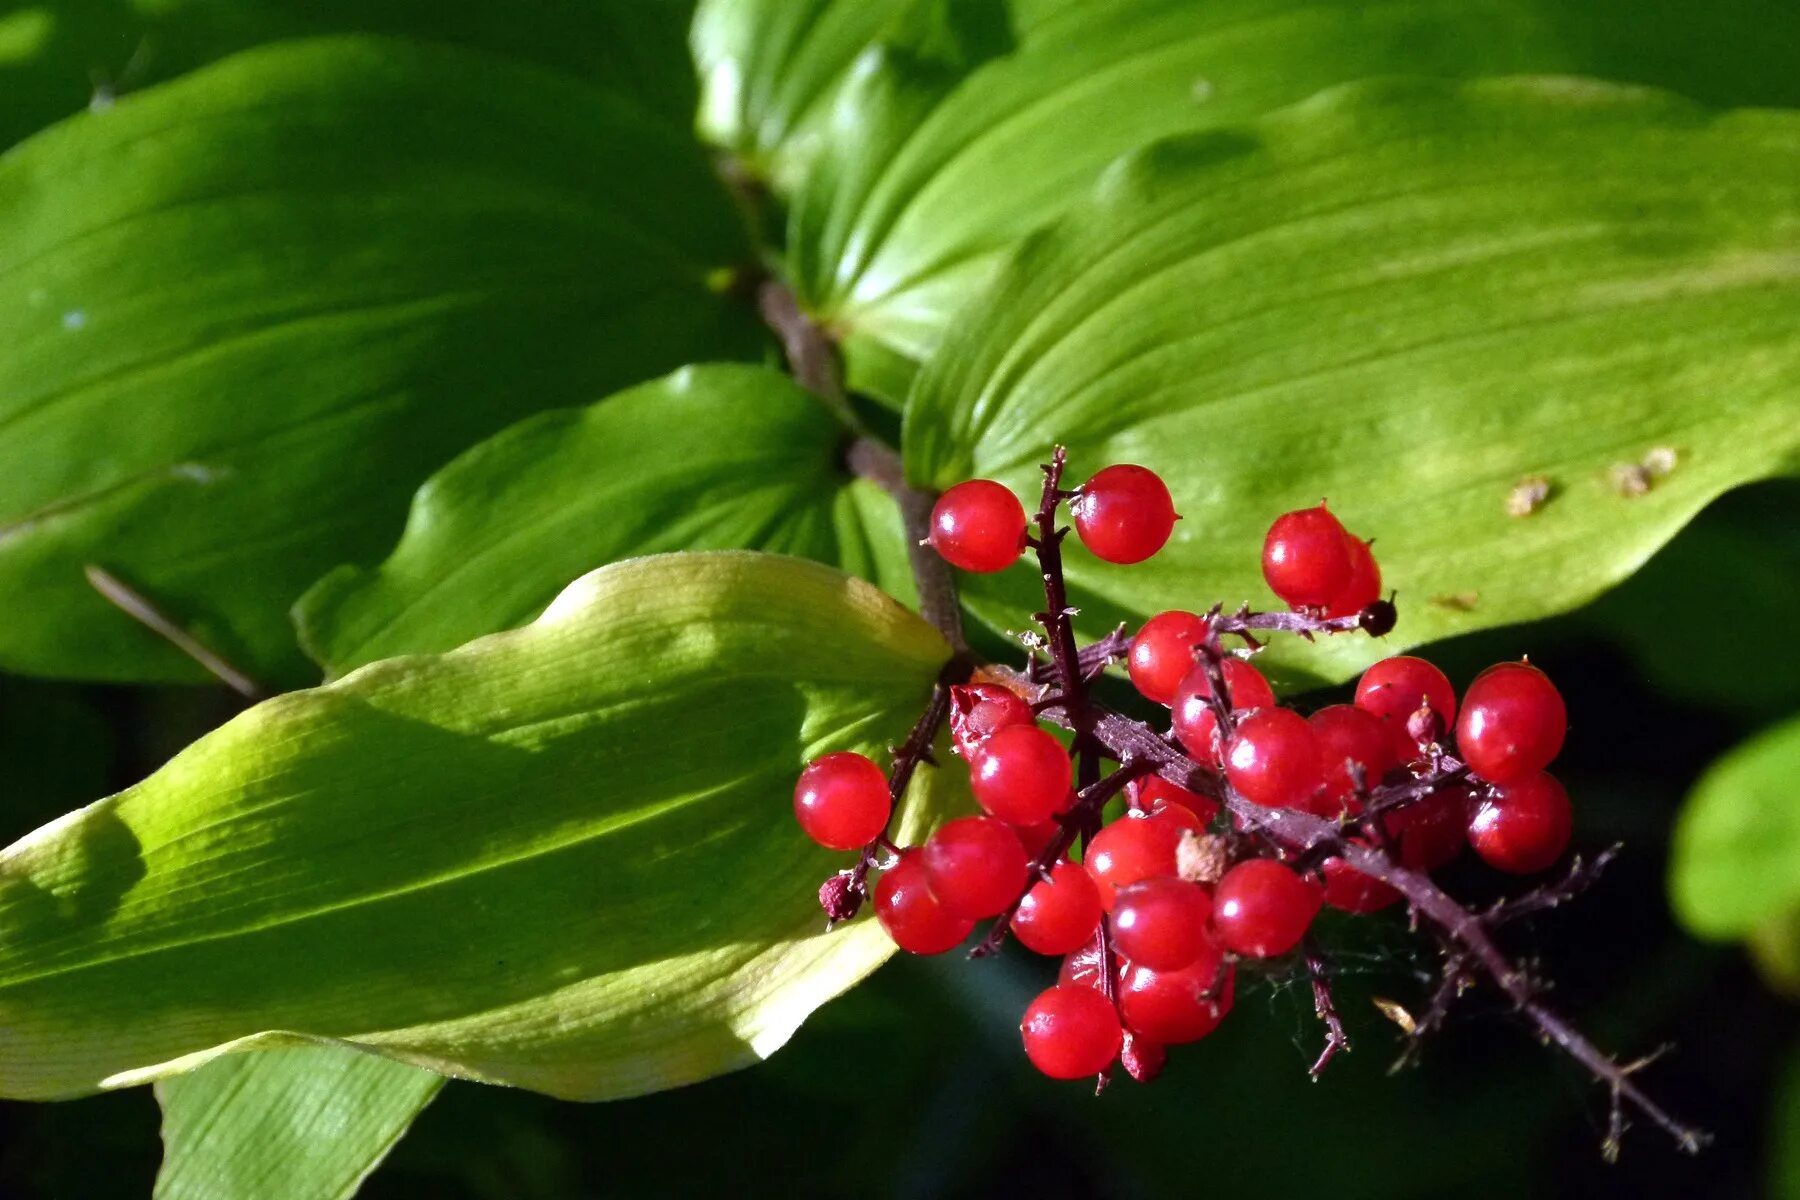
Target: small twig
1325	1007
1582	875
877	463
1093	658
139	608
810	354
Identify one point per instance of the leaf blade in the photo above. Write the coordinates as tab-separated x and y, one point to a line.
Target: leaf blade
1734	867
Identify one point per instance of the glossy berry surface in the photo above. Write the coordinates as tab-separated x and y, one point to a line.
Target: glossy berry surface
911	914
1021	774
1394	688
1523	826
1306	560
1432	832
1136	847
1071	1032
1154	793
1273	759
841	800
1349	890
1177	1007
1162	653
1512	724
975	866
1192	716
1124	514
1350	739
1261	908
1142	1058
1058	915
979	710
979	526
1363	587
1161	922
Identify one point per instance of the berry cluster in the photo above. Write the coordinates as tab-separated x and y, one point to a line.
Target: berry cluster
1237	824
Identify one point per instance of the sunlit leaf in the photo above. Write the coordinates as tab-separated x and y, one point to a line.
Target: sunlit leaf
1408	299
561	857
1735	866
247	313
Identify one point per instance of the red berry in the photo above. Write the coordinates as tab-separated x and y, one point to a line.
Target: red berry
1021	774
1154	793
1261	908
1081	968
1349	736
1161	922
1136	847
978	526
1193	719
1363	587
911	915
975	866
1394	688
1177	1007
1523	826
1060	914
1037	838
1512	724
1142	1058
1305	558
1273	759
1349	890
1432	831
1124	514
1070	1032
979	710
842	800
1162	653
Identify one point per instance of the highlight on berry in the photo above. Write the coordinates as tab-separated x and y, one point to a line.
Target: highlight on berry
1159	859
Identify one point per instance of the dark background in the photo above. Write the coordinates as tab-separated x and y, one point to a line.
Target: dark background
914	1085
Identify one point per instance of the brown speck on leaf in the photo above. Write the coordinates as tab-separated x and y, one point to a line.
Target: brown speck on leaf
1457	601
1660	460
1629	479
1201	857
1528	495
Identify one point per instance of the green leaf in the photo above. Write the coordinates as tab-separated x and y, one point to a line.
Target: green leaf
58	58
919	180
247	313
561	857
1735	863
1407	298
306	1123
715	457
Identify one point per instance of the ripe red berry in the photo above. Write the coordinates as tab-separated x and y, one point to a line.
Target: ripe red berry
1523	826
1081	967
1350	738
1273	759
911	914
1162	653
975	866
1154	793
1060	914
1349	890
1070	1032
1394	688
1177	1007
1305	559
979	710
1021	774
1363	587
1142	1058
841	800
1161	922
1192	717
1124	514
1432	831
1037	838
1136	847
979	526
1512	723
1261	908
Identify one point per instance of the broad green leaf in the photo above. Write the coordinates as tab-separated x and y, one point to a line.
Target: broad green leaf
561	857
1407	298
247	313
303	1123
714	457
920	178
1735	864
59	58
